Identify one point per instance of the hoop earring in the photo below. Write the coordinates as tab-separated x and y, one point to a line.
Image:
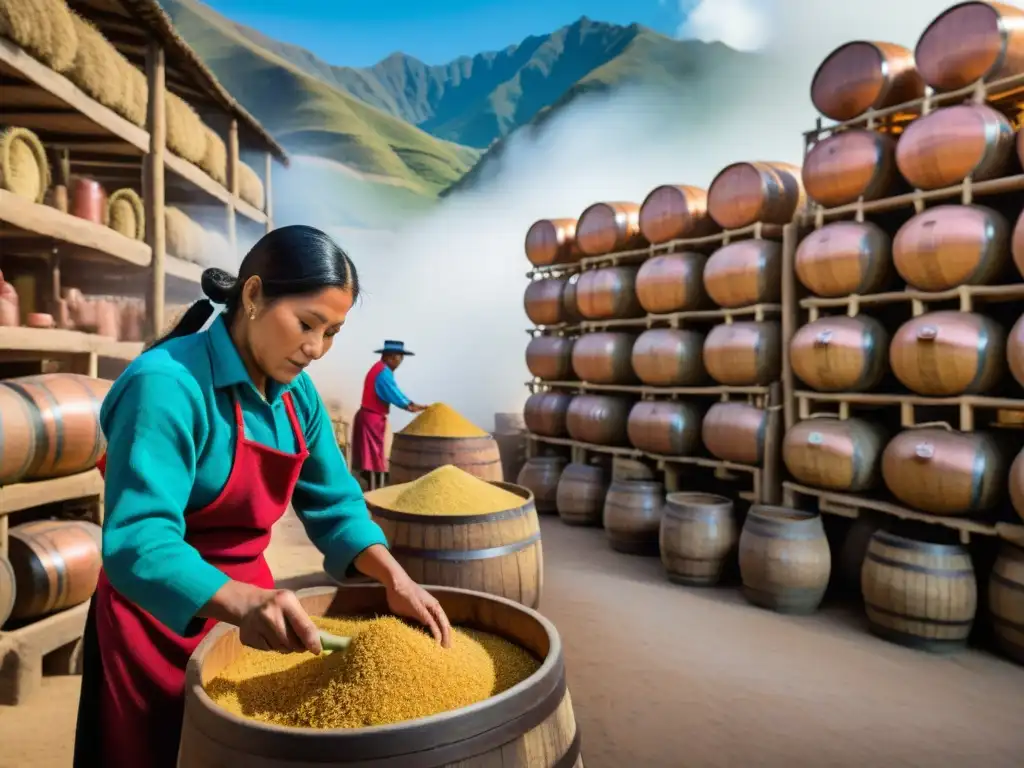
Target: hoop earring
252	313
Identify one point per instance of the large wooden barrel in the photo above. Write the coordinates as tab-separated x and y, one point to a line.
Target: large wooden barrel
668	428
698	532
970	42
632	516
50	426
919	593
785	561
672	282
669	357
540	475
599	419
570	309
744	354
864	75
528	726
470	551
675	212
604	358
735	432
551	241
609	227
56	564
744	273
8	589
945	147
952	245
1006	601
580	494
746	193
413	456
850	165
852	553
543	301
845	257
840	354
1017	484
1015	350
1017	244
943	354
608	294
545	413
945	473
837	455
550	357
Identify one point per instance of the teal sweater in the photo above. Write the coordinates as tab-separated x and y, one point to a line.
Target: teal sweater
170	428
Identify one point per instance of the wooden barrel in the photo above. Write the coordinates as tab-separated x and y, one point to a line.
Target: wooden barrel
1015	350
551	241
50	426
698	532
785	561
545	413
852	554
864	75
1017	484
668	428
675	212
8	589
570	309
632	516
550	357
945	472
746	193
599	419
735	432
970	42
1006	601
672	282
543	301
608	294
952	245
56	564
919	593
850	165
413	456
604	358
837	455
744	273
669	357
744	354
528	726
945	147
580	494
624	469
845	257
840	354
609	227
943	354
540	476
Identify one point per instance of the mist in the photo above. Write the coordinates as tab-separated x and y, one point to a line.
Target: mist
451	285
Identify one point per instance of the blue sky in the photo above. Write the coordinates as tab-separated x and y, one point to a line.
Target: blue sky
360	33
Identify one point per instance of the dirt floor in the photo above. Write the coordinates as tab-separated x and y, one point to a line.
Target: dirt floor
663	676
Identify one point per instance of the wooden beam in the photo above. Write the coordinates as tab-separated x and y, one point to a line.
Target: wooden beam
153	186
268	189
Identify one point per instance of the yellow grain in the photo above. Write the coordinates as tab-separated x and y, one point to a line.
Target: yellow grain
391	673
446	490
440	420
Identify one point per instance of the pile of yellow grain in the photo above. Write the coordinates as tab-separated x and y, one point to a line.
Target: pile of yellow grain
446	490
440	420
391	673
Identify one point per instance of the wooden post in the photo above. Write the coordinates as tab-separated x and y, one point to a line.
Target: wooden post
268	190
790	319
233	186
153	185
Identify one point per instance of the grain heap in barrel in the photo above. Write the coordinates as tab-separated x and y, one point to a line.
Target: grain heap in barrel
441	420
392	672
438	436
446	490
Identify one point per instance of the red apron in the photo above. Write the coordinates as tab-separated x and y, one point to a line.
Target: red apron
142	670
368	431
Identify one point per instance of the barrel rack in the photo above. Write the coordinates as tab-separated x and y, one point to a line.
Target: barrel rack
85	137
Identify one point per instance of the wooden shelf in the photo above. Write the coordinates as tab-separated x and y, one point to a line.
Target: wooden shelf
966	294
714	391
183	270
43	342
19	496
199	178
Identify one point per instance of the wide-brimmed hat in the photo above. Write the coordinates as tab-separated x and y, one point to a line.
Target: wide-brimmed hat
392	347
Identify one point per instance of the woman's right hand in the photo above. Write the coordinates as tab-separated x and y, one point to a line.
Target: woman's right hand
267	619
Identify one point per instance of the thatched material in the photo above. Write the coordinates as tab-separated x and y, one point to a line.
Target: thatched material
186	134
250	188
215	160
184	236
102	72
24	169
126	214
44	28
135	93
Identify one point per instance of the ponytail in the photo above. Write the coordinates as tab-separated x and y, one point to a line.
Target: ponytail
220	288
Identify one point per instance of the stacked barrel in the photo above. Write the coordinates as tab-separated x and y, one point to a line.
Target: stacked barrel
907	368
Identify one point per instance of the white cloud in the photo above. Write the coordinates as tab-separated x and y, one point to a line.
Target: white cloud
744	25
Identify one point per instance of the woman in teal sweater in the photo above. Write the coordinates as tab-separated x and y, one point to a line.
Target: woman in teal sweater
210	436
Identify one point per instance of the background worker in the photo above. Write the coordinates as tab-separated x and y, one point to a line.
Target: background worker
210	436
369	428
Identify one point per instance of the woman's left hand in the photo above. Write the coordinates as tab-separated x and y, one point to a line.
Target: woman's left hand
409	599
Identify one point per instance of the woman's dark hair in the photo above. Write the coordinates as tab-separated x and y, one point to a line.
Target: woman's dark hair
289	261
